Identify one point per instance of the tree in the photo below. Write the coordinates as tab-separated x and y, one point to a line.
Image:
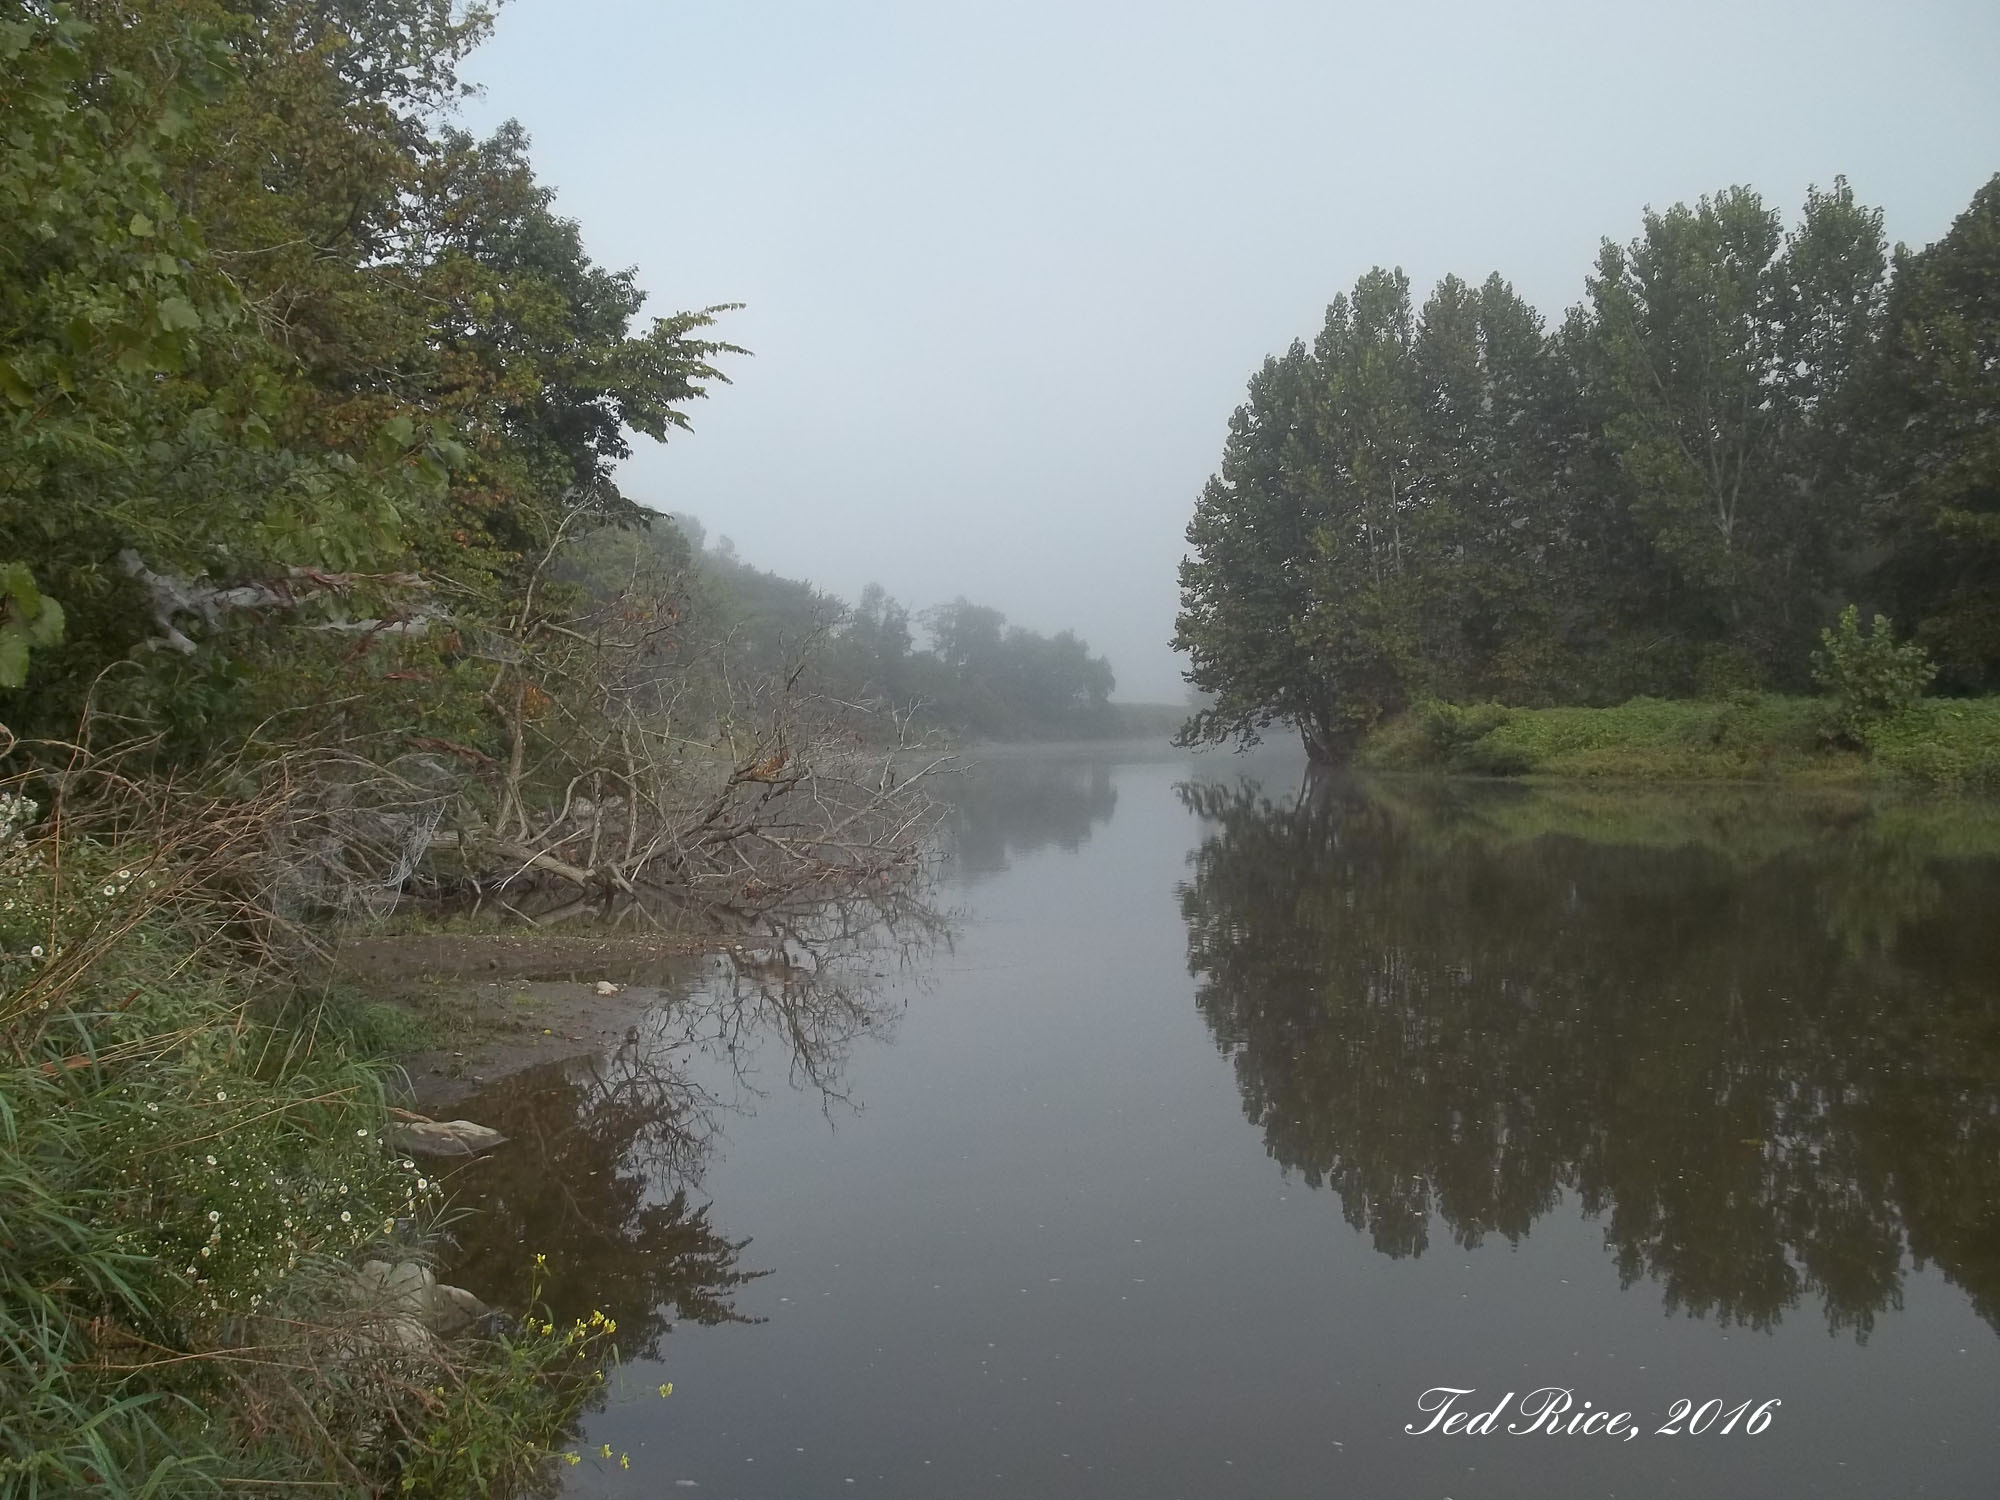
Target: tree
1244	583
1723	351
1002	681
1456	504
264	319
1934	447
1385	503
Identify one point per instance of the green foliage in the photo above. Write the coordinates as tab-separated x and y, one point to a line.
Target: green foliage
1444	736
979	676
1721	354
1661	497
495	1430
1868	676
187	1177
262	320
1933	455
28	619
1951	744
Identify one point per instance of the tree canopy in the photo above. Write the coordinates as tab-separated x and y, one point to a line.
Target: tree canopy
1739	431
973	674
281	352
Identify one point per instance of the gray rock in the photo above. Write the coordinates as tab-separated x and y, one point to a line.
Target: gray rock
454	1310
407	1293
444	1139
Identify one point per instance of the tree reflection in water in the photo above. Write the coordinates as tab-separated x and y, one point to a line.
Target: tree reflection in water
1001	808
1764	1047
605	1156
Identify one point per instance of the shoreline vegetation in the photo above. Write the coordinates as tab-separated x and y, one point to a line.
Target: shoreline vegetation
1684	497
1945	745
320	600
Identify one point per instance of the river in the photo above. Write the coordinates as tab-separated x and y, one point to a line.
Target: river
1236	1111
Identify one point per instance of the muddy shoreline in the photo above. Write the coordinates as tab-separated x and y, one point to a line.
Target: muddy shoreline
493	1005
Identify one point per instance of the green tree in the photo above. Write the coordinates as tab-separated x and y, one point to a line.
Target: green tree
1934	462
1869	676
1455	503
262	314
1389	503
1244	583
1723	352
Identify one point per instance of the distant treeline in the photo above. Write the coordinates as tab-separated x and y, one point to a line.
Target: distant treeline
1673	492
974	674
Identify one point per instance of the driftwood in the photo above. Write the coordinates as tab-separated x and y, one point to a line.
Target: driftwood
174	597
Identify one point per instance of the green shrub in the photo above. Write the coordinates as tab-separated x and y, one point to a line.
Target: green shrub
1868	677
1448	728
189	1172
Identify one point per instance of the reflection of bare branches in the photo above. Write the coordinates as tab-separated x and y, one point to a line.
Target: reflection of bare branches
661	1120
813	986
606	1153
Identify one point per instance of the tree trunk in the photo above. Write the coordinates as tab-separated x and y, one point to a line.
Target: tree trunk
1322	748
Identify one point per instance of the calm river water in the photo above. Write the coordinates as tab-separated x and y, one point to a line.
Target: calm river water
1235	1113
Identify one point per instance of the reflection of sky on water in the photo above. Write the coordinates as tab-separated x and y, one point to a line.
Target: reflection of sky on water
1637	1093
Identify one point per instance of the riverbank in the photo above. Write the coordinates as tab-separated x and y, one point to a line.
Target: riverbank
457	1012
1948	744
201	1163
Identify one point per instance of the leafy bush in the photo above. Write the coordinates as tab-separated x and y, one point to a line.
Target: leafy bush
1869	677
1952	744
1448	728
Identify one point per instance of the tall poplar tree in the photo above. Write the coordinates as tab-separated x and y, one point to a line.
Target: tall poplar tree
1934	468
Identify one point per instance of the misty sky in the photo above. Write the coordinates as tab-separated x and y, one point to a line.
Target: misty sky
1008	267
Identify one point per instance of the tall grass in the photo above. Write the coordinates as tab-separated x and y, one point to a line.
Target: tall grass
192	1162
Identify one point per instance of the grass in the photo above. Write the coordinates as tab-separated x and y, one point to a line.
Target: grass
192	1162
1948	744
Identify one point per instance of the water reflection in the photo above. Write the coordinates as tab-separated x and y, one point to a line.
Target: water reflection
606	1155
1005	807
1763	1043
591	1143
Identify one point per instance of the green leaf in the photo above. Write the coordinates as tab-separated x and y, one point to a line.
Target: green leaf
13	387
17	587
177	313
13	658
47	626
